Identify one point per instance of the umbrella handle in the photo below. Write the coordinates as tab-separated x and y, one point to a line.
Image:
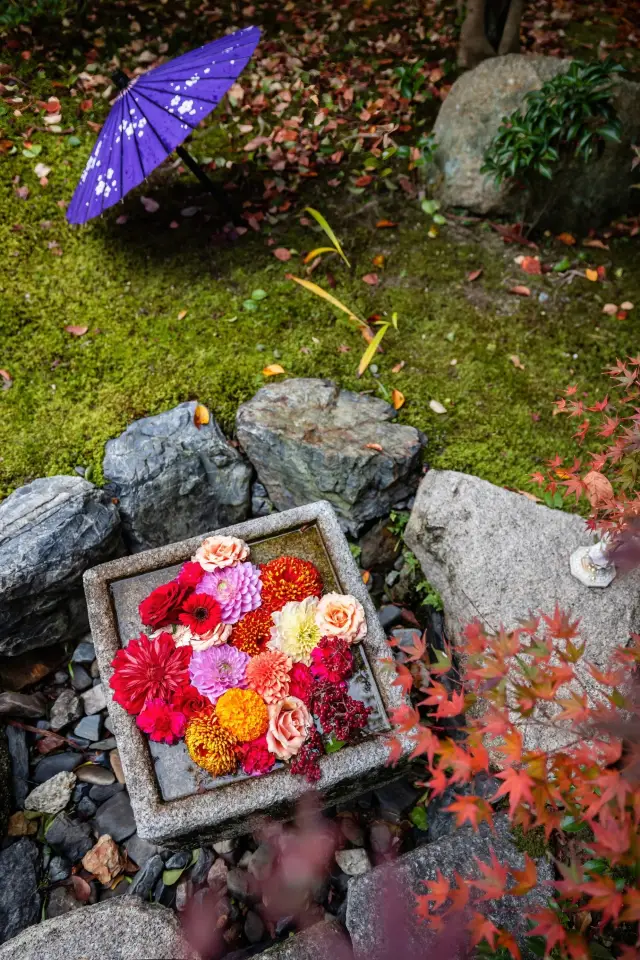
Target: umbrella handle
208	184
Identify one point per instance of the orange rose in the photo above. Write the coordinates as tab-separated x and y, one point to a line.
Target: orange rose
289	726
216	552
340	615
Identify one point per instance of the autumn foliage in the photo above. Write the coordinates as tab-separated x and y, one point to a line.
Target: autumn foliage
583	790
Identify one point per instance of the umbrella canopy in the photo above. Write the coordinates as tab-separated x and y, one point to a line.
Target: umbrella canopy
153	115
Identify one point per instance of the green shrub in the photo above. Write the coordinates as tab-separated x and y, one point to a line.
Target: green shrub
19	12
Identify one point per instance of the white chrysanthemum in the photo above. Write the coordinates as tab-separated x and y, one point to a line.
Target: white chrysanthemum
295	631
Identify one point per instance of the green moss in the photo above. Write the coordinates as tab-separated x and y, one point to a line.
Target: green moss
532	842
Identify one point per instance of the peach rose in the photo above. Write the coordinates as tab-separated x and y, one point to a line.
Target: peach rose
289	725
216	552
212	638
341	615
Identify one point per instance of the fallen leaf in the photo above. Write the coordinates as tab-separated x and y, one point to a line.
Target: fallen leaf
598	488
374	446
41	170
610	309
7	380
182	314
437	407
397	399
272	370
22	193
76	331
371	278
598	244
474	275
398	367
81	889
602	273
529	496
385	224
282	254
520	291
104	860
591	275
567	238
149	204
531	265
621	315
343	348
627	305
515	360
366	576
378	260
200	416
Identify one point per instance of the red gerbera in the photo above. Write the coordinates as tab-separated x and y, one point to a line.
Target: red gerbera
288	578
149	669
332	660
200	613
161	721
190	574
190	701
161	607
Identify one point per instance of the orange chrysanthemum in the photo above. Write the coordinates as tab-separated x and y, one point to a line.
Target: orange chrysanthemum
210	745
243	713
288	578
269	675
252	632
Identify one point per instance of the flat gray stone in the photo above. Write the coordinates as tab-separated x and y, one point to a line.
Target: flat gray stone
174	480
20	899
94	700
27	705
48	766
69	838
308	441
381	917
51	531
499	556
66	708
53	795
140	850
115	817
322	940
89	728
84	653
353	862
123	928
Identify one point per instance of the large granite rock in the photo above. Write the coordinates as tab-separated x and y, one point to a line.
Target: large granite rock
175	480
585	195
381	917
20	897
51	531
322	940
499	556
309	440
122	928
6	790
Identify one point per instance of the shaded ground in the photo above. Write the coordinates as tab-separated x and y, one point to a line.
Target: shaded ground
328	100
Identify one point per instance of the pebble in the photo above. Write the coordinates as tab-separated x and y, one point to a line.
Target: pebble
94	700
104	860
239	884
86	809
140	850
389	615
352	831
60	678
100	793
353	862
81	790
59	869
217	875
115	817
27	705
381	837
19	826
224	847
69	838
54	763
397	798
84	653
80	681
94	670
65	710
183	894
108	722
253	927
53	795
79	742
61	901
108	744
95	774
90	728
178	860
147	877
19	755
202	866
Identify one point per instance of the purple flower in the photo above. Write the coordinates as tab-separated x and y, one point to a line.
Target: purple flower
217	669
237	590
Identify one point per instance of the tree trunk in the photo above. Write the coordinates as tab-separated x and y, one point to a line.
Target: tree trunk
491	27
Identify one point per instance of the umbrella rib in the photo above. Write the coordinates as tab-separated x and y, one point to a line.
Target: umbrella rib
202	55
173	117
195	96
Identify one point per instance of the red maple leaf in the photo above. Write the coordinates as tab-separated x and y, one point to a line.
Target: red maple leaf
517	785
526	878
549	927
437	890
494	882
481	928
471	809
604	897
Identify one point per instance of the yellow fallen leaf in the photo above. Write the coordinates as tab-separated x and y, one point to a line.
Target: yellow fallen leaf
591	275
515	360
272	370
397	399
201	416
366	576
182	315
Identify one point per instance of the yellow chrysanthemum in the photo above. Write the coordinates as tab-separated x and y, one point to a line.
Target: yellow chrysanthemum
243	713
210	745
295	631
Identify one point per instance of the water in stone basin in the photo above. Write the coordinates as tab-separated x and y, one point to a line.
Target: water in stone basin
177	775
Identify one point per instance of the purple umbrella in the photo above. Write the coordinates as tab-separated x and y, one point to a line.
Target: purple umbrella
152	115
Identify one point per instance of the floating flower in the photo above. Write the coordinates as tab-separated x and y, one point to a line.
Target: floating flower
163	604
252	633
301	683
255	757
289	725
147	670
340	615
268	675
190	702
295	631
217	669
307	762
162	721
220	634
243	713
190	574
288	578
209	745
332	660
200	612
339	713
216	552
236	589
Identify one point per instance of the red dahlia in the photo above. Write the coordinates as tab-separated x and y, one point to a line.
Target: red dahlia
163	604
149	669
301	682
288	578
200	613
255	757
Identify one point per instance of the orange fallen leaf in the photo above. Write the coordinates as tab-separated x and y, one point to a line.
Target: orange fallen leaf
515	360
598	488
474	275
398	367
374	446
520	291
282	254
567	238
602	273
272	370
182	314
201	416
378	260
385	224
366	576
371	278
76	331
529	496
6	376
598	244
397	399
591	275
610	309
531	265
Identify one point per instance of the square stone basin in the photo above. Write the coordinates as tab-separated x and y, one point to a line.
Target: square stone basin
173	799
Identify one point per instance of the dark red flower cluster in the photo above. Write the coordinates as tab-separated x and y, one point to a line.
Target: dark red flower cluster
306	763
163	604
255	757
332	660
301	683
339	713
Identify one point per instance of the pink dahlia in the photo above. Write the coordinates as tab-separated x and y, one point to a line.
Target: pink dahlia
217	669
149	669
268	675
332	660
161	721
236	589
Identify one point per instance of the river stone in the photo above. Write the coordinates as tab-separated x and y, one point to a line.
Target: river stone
147	877
497	555
20	900
69	838
94	700
175	480
586	195
54	763
53	795
381	917
115	817
65	710
30	706
51	531
309	440
123	928
19	756
89	729
353	862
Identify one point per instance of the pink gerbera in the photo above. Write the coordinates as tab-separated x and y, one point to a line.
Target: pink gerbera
161	721
149	669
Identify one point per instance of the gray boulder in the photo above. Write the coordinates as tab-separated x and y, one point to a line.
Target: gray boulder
6	790
20	900
381	917
322	940
309	440
123	928
174	480
51	531
583	196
